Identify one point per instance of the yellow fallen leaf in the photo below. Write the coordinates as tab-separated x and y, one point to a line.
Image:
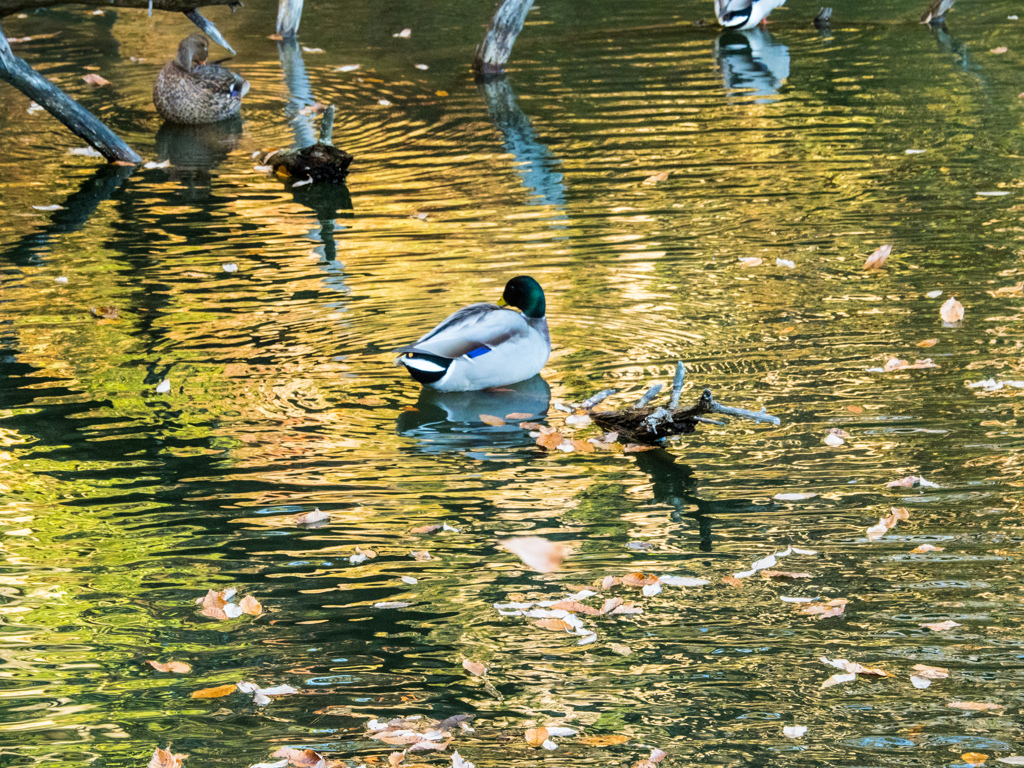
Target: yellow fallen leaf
215	692
536	736
877	259
974	758
952	311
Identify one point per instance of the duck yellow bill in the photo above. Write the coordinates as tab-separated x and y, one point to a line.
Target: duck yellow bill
502	302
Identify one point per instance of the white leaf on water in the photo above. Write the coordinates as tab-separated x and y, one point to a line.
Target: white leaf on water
920	682
794	731
229	267
793	496
163	387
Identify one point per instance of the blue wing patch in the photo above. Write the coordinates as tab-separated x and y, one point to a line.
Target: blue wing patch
477	352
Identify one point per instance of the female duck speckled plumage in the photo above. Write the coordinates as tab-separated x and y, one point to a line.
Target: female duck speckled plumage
484	345
191	92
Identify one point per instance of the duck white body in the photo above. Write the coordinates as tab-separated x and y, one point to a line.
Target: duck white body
483	345
744	14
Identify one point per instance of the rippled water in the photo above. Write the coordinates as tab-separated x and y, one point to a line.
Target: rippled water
121	506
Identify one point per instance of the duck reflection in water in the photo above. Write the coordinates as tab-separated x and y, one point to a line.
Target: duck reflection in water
752	63
194	150
450	421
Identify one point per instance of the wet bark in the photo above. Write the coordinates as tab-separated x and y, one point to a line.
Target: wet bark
493	53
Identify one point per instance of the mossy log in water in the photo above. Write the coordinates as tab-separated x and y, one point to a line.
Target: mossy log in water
643	423
322	162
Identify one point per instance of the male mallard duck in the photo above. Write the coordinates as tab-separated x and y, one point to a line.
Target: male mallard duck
483	345
744	14
191	92
937	11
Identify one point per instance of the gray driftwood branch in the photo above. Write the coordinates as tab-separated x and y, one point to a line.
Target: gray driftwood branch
493	53
644	423
77	118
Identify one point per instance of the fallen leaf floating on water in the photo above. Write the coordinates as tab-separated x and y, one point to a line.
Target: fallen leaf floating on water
316	516
793	496
621	650
848	677
474	667
303	758
420	555
952	311
263	696
178	667
105	313
785	263
836	437
578	420
1012	759
387	604
887	523
794	731
941	626
922	548
494	421
783	575
853	667
410	580
278	764
537	553
214	693
877	259
163	387
218	605
361	556
991	385
313	50
663	176
395	758
162	758
920	682
1008	290
250	605
751	261
910	482
826	610
152	164
974	758
49	207
555	625
458	761
347	68
95	80
656	757
927	343
974	706
536	737
999	49
931	673
229	267
895	364
404	33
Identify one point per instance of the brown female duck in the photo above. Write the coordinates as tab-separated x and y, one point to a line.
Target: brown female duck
191	92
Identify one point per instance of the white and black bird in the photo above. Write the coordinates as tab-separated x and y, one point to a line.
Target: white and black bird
936	12
484	345
744	14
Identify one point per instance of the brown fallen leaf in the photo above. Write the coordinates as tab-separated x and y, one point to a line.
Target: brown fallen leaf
531	426
162	758
931	673
309	518
302	758
554	625
610	581
518	416
952	311
213	605
474	667
610	604
250	605
178	667
550	440
877	259
537	553
396	758
105	313
95	80
885	524
974	706
732	581
214	693
575	606
603	740
941	626
639	579
638	448
421	555
657	177
494	421
927	343
429	528
827	610
922	548
535	737
583	446
854	409
783	575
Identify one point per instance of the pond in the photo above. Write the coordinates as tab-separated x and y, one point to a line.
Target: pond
681	195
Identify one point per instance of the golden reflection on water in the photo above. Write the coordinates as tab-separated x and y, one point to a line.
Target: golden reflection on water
122	505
